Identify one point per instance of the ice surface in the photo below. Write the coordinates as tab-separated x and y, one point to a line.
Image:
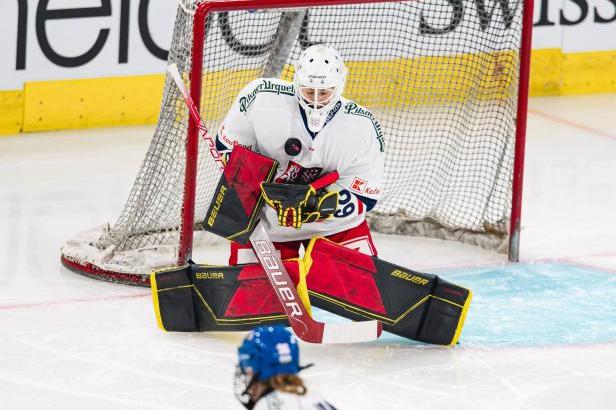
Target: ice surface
539	335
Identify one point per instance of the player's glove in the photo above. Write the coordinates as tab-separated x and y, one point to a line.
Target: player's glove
320	206
298	204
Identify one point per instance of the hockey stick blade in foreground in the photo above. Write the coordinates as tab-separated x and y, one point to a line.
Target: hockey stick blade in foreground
304	326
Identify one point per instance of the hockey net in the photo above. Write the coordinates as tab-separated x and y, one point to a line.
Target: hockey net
442	77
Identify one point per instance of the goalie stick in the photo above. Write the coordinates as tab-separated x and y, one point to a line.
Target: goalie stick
304	326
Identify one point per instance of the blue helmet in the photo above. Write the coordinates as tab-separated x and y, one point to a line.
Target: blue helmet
269	351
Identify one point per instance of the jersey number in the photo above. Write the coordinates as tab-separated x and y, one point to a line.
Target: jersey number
346	206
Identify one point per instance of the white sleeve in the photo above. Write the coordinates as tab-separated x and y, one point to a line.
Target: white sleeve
361	178
236	128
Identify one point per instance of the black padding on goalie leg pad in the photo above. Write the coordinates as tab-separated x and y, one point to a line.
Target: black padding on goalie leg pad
234	209
445	315
235	298
412	304
217	298
173	299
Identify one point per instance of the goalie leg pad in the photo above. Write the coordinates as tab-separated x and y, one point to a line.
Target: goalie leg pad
415	305
198	298
411	304
172	298
234	209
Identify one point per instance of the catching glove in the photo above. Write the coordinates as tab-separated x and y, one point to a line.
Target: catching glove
298	204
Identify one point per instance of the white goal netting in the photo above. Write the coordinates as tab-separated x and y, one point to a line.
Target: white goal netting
440	76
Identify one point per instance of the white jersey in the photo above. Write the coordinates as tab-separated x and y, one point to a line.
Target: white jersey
266	118
277	400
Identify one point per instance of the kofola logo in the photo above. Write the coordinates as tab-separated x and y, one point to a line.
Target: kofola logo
94	14
358	185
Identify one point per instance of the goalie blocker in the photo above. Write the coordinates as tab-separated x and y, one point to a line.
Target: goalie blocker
411	304
234	210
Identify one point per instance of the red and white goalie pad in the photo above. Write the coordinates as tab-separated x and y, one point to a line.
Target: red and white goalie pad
419	306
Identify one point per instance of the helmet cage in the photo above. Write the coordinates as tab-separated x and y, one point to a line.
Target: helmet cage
318	68
312	96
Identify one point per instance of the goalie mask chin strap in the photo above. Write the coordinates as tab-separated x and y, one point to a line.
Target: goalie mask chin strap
330	115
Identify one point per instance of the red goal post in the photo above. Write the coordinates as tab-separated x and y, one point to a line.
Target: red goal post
452	103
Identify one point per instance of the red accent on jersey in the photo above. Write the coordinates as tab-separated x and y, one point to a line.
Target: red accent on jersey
357	185
297	174
229	141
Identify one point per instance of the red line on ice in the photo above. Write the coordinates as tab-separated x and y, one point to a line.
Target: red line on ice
66	302
571	260
573	124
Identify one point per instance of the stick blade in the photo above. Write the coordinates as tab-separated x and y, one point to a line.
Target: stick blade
355	332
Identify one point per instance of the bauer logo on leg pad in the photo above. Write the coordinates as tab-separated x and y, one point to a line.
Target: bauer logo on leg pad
418	280
217	298
209	275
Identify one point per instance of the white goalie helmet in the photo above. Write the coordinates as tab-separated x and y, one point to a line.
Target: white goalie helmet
319	80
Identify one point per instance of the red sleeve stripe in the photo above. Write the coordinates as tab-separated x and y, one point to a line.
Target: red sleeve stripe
360	206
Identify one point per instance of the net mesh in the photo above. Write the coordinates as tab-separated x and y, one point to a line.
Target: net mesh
441	76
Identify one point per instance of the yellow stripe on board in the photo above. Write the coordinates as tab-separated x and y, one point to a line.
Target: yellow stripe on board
223	85
546	68
556	73
101	102
432	80
68	104
591	72
11	111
